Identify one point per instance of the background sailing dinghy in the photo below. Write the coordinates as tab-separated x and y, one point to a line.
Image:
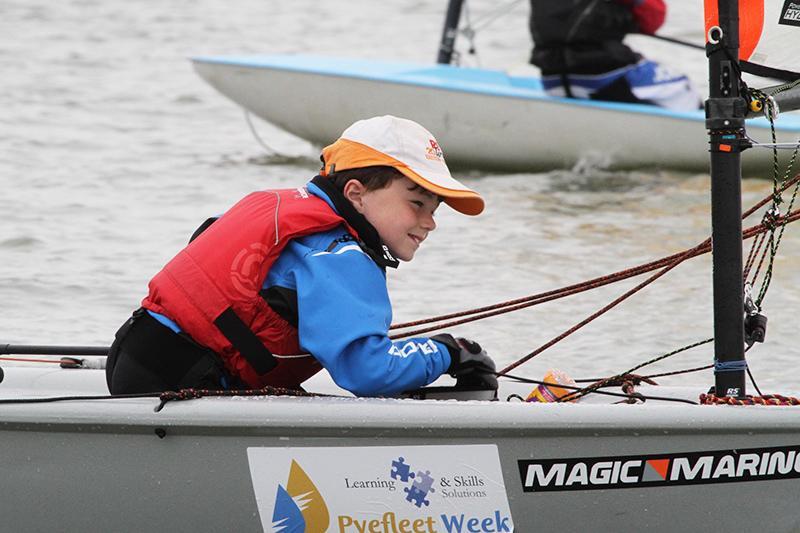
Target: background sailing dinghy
483	118
486	119
76	459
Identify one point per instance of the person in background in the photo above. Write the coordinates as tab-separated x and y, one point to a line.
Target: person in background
288	282
578	48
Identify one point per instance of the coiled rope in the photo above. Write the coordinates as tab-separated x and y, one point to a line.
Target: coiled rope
768	399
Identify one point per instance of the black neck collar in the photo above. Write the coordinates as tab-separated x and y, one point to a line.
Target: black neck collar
367	234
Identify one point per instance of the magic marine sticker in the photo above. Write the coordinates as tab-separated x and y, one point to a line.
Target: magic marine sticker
380	489
643	471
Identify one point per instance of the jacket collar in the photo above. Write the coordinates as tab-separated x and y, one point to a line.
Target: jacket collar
368	236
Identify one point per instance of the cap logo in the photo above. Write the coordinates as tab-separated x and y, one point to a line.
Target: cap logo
433	152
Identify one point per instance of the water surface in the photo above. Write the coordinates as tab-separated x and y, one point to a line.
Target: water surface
113	151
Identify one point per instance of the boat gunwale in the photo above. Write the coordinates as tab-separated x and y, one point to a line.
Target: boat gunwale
356	417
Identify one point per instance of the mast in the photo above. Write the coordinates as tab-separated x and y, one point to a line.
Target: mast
725	113
447	43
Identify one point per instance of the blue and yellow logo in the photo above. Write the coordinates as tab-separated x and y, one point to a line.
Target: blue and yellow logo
299	508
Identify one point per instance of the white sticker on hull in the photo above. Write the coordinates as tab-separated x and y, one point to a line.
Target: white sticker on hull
380	489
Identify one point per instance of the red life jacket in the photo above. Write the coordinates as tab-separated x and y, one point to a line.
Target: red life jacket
211	288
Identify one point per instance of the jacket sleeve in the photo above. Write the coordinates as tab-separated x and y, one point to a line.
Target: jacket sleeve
344	314
649	14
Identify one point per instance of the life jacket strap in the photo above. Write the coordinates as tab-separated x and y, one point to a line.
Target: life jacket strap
245	341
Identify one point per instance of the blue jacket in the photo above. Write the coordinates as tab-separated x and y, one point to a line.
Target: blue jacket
344	312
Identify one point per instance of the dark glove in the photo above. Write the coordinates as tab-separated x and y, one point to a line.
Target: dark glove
469	363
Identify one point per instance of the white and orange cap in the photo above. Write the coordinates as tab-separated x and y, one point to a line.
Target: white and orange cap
406	146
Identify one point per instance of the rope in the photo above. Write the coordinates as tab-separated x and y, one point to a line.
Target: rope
655	360
501	308
736	365
701	248
596	314
52	399
637	396
189	394
677	372
471	28
770	221
775	243
489	18
753	381
768	399
730	366
605	382
469	33
25	360
674	260
758	242
778	186
168	396
535	299
270	151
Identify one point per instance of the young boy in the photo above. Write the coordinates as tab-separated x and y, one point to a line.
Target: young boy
288	282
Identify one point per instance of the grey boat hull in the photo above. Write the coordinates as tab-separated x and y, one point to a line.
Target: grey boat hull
119	465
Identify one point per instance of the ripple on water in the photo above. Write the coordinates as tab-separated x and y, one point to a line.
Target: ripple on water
24	242
305	161
187	99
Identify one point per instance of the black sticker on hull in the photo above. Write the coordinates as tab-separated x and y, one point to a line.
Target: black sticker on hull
790	14
642	471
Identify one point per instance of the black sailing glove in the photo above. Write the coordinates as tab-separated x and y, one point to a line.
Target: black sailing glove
469	363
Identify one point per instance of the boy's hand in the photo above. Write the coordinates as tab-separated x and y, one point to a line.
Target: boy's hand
469	363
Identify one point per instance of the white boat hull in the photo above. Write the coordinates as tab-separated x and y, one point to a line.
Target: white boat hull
482	119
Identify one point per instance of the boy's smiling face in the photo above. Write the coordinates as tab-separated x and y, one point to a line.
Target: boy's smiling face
402	213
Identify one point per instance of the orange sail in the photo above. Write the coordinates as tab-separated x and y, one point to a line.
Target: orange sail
769	32
751	23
